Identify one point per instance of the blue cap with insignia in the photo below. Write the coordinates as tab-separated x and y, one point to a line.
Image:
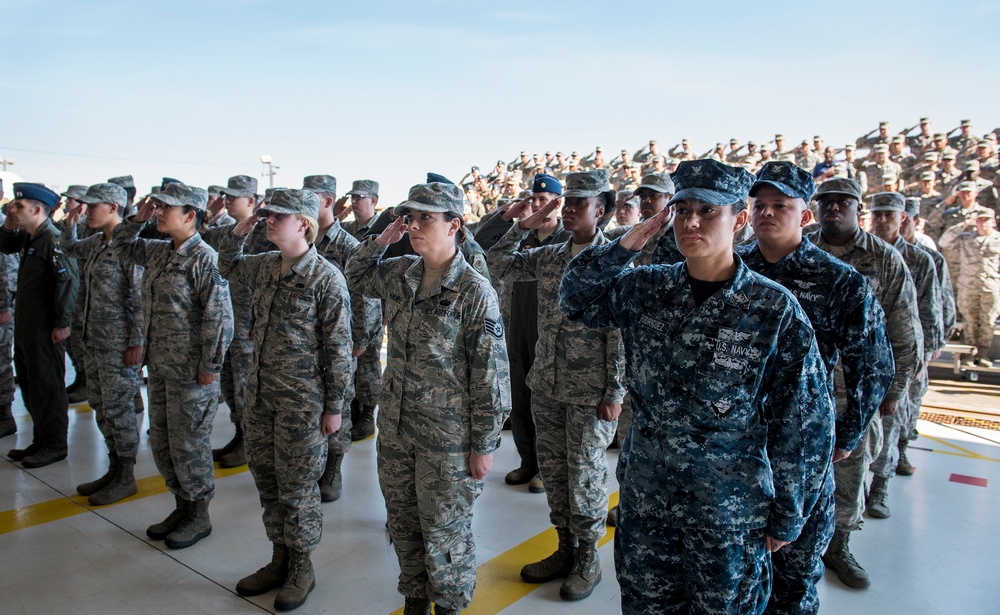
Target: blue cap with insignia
36	192
546	183
711	182
788	178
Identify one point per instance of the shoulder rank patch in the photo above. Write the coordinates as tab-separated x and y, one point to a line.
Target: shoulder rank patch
495	327
221	281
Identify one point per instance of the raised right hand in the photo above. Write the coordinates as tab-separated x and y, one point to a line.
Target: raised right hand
147	207
639	235
244	226
392	233
537	219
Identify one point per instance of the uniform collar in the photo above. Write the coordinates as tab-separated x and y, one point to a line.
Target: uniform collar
566	247
450	280
188	246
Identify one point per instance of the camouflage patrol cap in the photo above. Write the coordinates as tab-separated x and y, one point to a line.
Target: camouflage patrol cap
364	187
931	156
888	177
125	181
850	147
789	179
925	120
214	190
658	182
883	124
888	201
685	142
524	153
734	142
659	158
575	154
765	148
751	143
967	186
912	207
106	193
899	139
712	182
320	183
983	143
435	197
267	194
966	123
652	141
599	149
586	183
971	165
779	137
560	154
176	194
817	137
292	201
949	155
927	176
881	148
624	152
840	185
75	191
939	135
241	185
986	213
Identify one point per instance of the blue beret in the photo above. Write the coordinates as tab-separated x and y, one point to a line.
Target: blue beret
440	179
712	182
546	183
36	192
789	179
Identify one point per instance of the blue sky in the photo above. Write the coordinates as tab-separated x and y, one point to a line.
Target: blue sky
389	90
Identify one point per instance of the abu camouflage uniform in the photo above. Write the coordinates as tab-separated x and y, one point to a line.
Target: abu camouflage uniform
368	375
111	323
575	369
445	394
8	287
188	322
300	371
978	283
731	435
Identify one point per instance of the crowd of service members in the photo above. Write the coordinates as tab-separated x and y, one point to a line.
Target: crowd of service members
751	390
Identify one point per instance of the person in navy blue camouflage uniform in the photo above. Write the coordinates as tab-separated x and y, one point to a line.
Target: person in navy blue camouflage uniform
732	426
850	328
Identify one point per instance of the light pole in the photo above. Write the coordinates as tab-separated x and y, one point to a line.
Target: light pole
271	168
5	162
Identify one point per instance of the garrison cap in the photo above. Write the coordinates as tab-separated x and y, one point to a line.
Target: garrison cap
789	179
292	201
658	182
241	185
176	194
587	183
438	178
106	193
912	207
364	187
888	201
36	192
840	185
320	183
712	182
433	197
546	183
125	181
75	191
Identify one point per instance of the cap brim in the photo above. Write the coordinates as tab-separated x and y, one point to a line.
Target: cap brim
353	193
702	194
659	189
403	207
579	194
92	200
874	208
166	199
818	195
780	187
235	193
276	209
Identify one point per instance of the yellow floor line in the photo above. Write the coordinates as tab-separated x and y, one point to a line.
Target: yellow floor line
498	581
60	508
964	452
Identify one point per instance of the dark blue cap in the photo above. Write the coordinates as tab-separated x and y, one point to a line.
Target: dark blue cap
546	183
711	181
790	179
440	179
36	192
169	180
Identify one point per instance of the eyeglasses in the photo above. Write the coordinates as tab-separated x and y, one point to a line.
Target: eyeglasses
264	215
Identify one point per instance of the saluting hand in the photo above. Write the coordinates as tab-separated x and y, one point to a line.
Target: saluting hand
244	226
537	219
640	234
73	215
147	207
341	208
392	233
516	210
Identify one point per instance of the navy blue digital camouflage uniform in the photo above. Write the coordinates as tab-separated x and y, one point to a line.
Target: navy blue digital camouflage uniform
850	328
731	432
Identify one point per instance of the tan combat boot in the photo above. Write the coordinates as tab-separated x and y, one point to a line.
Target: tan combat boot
556	566
586	572
301	580
271	576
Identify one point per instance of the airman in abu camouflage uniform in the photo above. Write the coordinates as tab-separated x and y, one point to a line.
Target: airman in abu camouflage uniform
296	390
188	322
722	464
111	335
576	386
840	235
850	329
9	264
445	396
76	392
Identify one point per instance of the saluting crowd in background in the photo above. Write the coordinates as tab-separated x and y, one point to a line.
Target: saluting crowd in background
750	324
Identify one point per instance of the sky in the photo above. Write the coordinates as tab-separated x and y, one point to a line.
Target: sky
389	90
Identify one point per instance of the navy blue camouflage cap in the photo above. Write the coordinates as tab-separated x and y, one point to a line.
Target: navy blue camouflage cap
546	183
106	193
586	183
433	197
659	182
36	192
364	187
711	182
320	183
125	181
176	194
241	185
912	207
75	191
840	185
788	178
292	201
888	201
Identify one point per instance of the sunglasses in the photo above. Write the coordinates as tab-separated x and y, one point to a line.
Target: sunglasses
264	215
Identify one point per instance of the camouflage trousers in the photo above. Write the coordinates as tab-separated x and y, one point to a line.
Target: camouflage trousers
368	376
979	310
849	478
662	569
286	452
234	377
74	343
423	471
572	460
798	567
111	389
180	430
7	385
893	427
340	442
918	388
